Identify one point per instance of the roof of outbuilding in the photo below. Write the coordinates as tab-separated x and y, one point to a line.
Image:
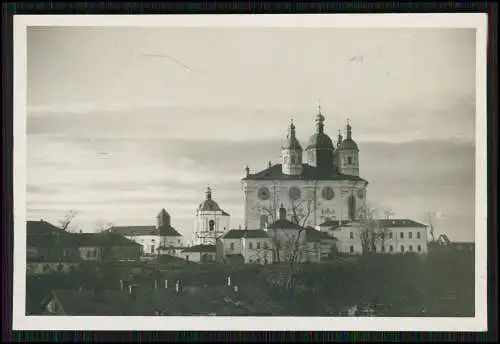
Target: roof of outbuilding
240	233
200	248
102	239
144	230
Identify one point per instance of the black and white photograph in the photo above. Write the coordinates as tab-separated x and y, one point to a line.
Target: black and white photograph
269	172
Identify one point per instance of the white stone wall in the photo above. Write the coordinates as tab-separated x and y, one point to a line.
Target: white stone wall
202	233
413	244
257	250
349	240
231	246
149	243
196	256
322	209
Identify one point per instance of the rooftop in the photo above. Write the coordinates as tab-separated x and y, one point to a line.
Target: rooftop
387	223
200	248
313	235
144	230
42	227
283	224
103	239
308	173
240	233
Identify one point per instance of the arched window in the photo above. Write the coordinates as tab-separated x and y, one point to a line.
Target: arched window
349	160
211	225
231	246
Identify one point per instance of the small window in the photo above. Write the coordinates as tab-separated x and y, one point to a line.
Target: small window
349	160
410	235
258	260
402	235
211	225
152	248
391	248
89	254
390	235
250	245
410	248
418	235
187	257
258	246
383	248
351	249
265	245
419	248
402	249
231	246
351	235
250	260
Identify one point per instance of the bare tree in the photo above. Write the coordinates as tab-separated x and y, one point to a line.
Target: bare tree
66	223
388	213
295	246
300	209
372	231
271	212
102	226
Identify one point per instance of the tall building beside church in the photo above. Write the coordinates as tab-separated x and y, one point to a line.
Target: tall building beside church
211	221
325	187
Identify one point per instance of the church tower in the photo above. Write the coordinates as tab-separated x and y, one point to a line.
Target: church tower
348	154
319	150
291	154
211	221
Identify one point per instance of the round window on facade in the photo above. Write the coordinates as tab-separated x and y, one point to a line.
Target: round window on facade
263	193
328	193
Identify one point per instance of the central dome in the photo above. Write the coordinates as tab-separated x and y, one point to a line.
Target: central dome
209	204
320	141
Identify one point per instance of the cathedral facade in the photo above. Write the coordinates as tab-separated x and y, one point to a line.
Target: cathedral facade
325	187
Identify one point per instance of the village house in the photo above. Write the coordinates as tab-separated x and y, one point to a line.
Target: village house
155	240
245	246
48	243
199	253
107	246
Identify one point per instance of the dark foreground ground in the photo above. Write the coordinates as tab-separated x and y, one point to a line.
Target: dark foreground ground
441	285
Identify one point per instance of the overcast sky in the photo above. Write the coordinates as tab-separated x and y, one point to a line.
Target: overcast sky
117	137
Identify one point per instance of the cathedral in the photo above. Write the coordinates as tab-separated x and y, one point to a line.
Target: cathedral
325	187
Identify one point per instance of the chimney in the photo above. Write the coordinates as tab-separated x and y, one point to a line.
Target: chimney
228	281
177	286
121	285
282	213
